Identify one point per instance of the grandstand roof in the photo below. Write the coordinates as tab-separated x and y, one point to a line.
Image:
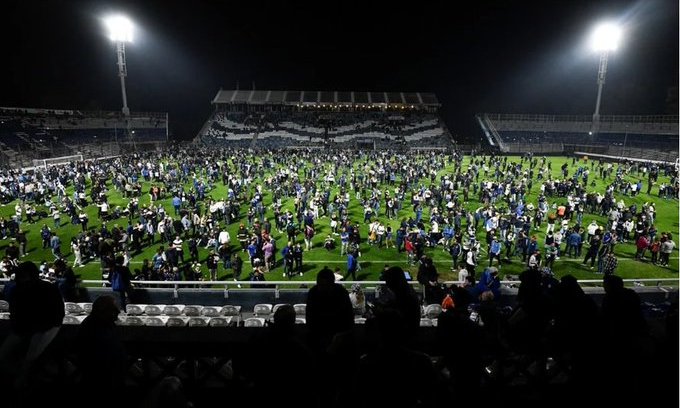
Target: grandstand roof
415	99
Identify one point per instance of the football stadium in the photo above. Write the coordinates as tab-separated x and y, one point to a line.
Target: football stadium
332	248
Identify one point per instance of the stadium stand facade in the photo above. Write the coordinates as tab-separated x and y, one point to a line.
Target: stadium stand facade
632	137
325	119
27	134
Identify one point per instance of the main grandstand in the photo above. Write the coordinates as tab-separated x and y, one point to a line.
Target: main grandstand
28	134
644	138
325	119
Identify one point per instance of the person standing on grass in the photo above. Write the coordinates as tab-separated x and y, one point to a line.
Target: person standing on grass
610	263
351	266
666	248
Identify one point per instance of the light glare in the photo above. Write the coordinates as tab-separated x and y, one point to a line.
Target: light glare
606	37
120	28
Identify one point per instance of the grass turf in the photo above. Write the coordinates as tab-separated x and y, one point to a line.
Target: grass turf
373	259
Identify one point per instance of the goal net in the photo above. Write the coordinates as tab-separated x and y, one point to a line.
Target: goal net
53	161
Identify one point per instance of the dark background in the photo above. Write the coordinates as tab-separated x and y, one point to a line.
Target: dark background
483	56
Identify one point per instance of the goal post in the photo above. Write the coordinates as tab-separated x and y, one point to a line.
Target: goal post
53	161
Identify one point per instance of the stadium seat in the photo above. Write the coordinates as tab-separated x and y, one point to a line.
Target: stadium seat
254	322
4	316
134	321
211	311
432	311
223	321
198	321
86	306
71	319
359	320
300	309
262	309
4	306
300	320
156	321
177	321
233	311
192	310
173	310
154	310
72	308
134	310
425	322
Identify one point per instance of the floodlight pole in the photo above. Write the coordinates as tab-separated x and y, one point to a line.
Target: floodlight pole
122	73
601	72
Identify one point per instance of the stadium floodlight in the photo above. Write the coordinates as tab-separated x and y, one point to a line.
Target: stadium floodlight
120	32
605	38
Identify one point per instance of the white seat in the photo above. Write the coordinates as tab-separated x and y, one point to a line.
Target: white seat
300	309
199	321
177	321
432	311
156	321
211	311
192	310
233	311
71	319
154	310
254	322
173	310
4	306
72	308
425	322
86	306
134	310
134	321
359	320
262	309
222	321
300	320
4	316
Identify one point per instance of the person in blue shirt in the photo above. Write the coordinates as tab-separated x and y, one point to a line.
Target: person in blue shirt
351	266
176	202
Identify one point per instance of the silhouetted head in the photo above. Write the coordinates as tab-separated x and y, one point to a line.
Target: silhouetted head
325	277
27	272
395	278
104	309
612	283
284	316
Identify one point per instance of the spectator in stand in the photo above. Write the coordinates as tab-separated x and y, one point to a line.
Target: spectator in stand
36	312
102	355
329	310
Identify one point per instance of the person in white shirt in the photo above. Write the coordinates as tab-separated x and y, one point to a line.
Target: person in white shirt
462	275
224	237
358	299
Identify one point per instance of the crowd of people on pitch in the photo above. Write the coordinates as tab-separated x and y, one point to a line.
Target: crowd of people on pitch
384	184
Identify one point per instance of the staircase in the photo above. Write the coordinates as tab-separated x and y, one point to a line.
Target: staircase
491	133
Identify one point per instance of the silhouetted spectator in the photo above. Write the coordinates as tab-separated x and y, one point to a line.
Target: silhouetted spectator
329	310
402	297
101	353
389	365
168	393
576	329
460	341
278	361
36	313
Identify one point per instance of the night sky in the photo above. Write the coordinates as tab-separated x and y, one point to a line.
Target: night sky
483	56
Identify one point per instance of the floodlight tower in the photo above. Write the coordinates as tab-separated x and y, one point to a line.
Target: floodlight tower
605	39
120	32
